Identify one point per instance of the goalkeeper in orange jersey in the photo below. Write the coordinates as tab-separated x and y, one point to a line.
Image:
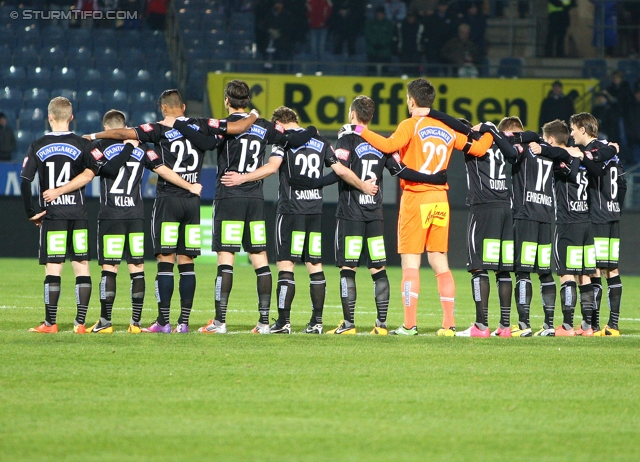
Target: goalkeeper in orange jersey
425	142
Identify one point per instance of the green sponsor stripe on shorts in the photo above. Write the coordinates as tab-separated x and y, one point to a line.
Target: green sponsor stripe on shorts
507	252
113	246
376	248
589	256
614	249
193	237
80	241
297	242
136	244
258	231
352	247
315	244
491	250
544	256
169	233
602	248
528	254
232	232
575	257
56	242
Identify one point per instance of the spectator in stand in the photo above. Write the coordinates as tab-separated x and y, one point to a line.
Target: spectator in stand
605	26
477	21
396	10
318	14
85	6
409	43
379	33
558	24
157	14
461	51
278	26
62	6
633	130
606	110
556	106
621	90
439	28
297	10
7	140
345	24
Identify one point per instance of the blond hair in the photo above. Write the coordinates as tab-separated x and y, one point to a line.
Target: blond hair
60	109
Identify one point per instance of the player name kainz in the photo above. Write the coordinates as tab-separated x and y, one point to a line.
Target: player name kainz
124	201
308	194
65	199
539	198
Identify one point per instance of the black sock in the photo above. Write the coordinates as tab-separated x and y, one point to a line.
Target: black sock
164	291
107	293
51	297
264	286
285	291
381	292
480	290
317	291
614	294
568	295
137	295
224	283
586	304
348	294
83	295
505	286
187	287
548	295
596	282
523	293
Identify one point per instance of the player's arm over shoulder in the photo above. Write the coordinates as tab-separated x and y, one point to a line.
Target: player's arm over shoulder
398	139
478	148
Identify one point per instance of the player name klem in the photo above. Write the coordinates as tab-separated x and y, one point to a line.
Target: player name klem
308	194
173	134
539	198
124	201
435	132
58	149
365	148
65	199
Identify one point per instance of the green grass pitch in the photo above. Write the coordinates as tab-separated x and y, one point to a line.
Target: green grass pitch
247	397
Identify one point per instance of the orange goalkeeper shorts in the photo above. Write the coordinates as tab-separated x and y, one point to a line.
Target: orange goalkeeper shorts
423	222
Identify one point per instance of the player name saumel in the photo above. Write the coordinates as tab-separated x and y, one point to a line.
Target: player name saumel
539	198
307	194
65	199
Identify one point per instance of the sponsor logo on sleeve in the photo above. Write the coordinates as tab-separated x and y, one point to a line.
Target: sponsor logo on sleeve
396	157
24	162
146	128
589	155
508	133
342	154
97	154
214	123
280	128
151	154
519	148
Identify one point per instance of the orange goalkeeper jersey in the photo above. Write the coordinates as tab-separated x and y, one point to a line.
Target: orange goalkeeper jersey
425	145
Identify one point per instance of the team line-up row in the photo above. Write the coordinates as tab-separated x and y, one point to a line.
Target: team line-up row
564	204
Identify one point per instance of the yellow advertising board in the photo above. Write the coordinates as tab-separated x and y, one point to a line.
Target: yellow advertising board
324	101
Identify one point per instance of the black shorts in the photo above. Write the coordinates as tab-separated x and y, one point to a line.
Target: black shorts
239	223
299	238
120	239
573	249
62	238
606	239
350	245
490	238
175	226
532	246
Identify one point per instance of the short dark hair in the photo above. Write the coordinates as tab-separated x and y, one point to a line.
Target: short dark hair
114	119
509	123
422	92
558	129
364	108
586	121
238	93
284	115
170	98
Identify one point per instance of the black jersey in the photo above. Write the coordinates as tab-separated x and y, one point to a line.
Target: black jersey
121	194
58	157
486	178
244	153
571	194
604	188
304	161
367	163
532	188
177	152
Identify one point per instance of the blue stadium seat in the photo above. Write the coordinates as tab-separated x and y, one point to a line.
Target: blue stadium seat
25	56
79	55
594	69
32	119
64	77
52	57
78	38
146	117
105	58
36	94
23	139
89	95
631	69
142	98
7	39
195	85
5	53
212	19
116	97
242	21
192	38
10	115
10	94
30	37
106	38
54	36
85	86
90	75
192	23
510	68
88	122
38	77
90	105
68	93
14	77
